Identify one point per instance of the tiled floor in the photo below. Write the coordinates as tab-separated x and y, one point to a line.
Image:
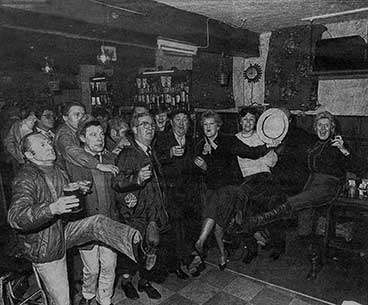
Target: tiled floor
215	287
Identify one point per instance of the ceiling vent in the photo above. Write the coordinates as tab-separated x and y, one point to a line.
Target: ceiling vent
176	47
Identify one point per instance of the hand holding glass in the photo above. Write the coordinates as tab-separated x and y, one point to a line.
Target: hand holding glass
177	151
79	190
200	163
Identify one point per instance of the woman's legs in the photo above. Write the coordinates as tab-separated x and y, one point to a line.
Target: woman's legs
219	234
207	227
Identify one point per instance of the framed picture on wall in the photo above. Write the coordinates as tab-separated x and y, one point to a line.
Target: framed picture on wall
110	51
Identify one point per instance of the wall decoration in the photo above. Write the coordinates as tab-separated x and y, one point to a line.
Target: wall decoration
287	79
110	52
253	73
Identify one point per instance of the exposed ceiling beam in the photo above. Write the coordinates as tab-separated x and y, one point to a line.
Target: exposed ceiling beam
337	14
75	36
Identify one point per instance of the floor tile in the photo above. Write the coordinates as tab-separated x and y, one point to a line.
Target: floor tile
297	301
119	296
283	291
128	302
165	293
243	288
218	278
177	299
175	284
199	291
222	298
308	300
269	296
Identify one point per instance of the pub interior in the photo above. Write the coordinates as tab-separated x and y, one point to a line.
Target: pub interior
183	152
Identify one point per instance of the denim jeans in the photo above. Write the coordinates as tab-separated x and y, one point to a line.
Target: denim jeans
100	228
99	265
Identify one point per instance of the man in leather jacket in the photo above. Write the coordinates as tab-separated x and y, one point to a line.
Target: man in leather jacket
36	210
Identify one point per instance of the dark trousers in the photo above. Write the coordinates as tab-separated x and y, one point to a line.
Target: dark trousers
128	266
178	204
319	190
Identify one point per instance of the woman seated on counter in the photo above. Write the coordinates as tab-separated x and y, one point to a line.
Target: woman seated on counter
258	182
216	157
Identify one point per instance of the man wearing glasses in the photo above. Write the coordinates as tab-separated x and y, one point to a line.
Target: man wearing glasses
140	200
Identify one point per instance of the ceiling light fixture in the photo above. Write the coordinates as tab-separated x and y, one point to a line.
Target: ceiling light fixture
176	46
181	48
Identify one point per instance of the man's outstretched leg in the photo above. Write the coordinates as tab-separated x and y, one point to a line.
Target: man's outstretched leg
121	237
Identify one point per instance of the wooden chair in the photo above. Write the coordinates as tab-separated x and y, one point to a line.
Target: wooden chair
10	280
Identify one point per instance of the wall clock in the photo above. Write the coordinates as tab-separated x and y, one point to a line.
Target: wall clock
253	73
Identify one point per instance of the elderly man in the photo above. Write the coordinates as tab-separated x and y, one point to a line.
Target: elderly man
36	210
175	151
141	199
68	146
99	261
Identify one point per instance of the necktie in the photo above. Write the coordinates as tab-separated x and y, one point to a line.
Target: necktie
149	151
98	157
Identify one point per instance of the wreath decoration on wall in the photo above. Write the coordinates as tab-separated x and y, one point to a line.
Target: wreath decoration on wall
253	73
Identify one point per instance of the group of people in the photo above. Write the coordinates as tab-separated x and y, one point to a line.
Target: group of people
149	179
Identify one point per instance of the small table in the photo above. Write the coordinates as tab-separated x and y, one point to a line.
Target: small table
345	209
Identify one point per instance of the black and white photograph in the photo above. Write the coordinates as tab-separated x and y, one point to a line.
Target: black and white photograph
192	152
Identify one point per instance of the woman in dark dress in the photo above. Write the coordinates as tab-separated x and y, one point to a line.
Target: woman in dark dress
221	174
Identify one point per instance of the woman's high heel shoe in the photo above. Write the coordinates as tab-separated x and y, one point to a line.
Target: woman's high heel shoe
198	264
223	263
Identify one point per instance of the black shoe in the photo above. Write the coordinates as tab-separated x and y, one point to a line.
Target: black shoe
252	247
222	266
84	301
151	291
197	270
130	291
181	274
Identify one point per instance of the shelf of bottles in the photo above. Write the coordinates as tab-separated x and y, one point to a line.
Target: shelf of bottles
101	91
170	89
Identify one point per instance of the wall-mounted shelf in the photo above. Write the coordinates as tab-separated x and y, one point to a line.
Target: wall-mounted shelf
341	74
101	90
171	89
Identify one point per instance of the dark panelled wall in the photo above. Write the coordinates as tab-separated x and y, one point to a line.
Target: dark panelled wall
23	56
